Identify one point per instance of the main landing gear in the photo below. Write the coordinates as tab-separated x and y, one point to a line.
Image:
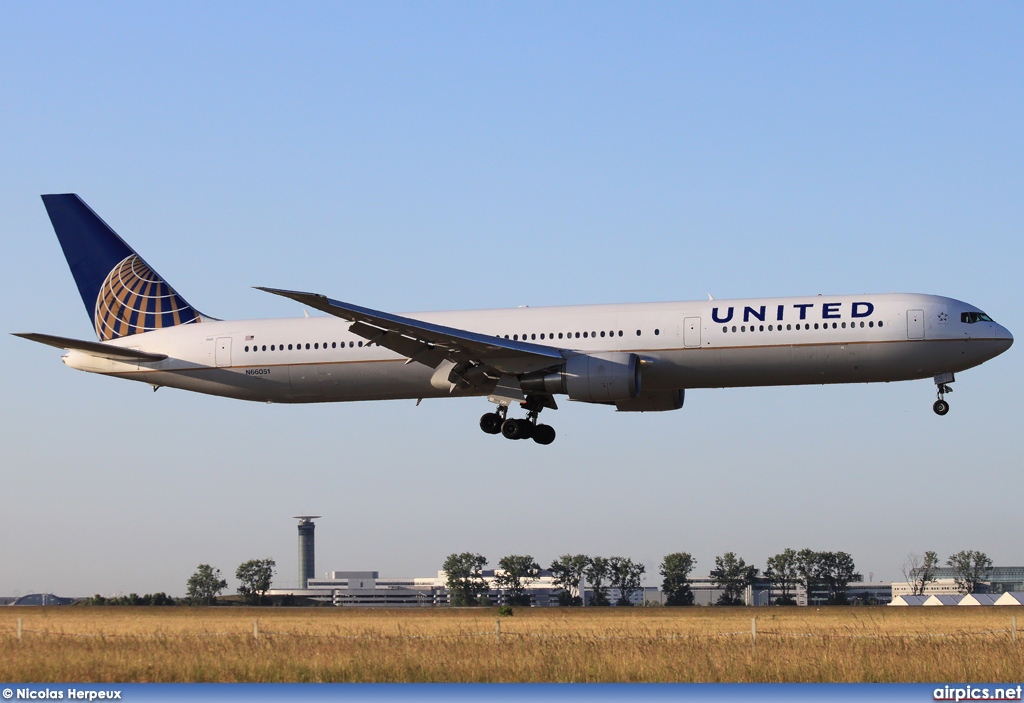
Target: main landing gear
498	422
940	406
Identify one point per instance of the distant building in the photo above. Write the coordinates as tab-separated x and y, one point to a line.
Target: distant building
368	588
1011	598
1001	579
979	599
42	599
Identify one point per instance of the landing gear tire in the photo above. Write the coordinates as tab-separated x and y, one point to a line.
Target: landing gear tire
543	434
516	429
491	423
940	407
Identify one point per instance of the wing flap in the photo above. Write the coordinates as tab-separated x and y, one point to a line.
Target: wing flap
105	351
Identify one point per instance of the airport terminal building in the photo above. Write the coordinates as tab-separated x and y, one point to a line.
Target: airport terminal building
368	588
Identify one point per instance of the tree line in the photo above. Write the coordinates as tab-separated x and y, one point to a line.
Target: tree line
970	569
823	575
254	578
203	587
466	584
827	573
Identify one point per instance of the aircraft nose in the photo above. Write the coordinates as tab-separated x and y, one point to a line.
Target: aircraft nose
1004	334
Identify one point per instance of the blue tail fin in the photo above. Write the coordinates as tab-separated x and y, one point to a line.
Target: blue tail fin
122	294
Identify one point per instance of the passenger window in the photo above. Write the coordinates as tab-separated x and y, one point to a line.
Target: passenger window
602	333
759	327
769	328
533	336
577	335
815	325
620	333
734	328
638	333
515	337
657	332
247	348
315	346
871	324
879	323
559	335
725	329
584	335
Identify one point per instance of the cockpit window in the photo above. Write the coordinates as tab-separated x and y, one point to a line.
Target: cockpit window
972	317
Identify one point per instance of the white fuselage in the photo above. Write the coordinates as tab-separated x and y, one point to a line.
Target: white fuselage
698	344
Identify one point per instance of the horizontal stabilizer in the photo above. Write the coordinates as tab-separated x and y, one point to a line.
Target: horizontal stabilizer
105	351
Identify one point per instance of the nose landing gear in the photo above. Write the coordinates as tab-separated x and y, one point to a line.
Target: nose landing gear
940	406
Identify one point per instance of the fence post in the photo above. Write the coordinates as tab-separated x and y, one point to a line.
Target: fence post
753	631
497	630
255	629
19	630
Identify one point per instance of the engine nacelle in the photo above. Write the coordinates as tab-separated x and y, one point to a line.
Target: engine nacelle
652	402
591	378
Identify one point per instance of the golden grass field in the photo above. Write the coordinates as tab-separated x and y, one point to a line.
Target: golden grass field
147	644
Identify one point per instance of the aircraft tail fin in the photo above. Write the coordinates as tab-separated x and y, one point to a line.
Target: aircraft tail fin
122	293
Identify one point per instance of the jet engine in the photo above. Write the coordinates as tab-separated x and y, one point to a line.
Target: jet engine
590	378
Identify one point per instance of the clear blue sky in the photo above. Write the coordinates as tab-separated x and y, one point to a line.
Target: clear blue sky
416	156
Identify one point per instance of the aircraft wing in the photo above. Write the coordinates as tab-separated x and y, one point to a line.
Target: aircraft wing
431	344
106	351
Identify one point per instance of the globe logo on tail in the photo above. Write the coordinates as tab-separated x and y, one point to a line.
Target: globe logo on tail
134	299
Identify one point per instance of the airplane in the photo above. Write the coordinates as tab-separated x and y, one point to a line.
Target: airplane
635	357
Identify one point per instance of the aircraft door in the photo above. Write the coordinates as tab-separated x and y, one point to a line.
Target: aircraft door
691	332
223	351
915	324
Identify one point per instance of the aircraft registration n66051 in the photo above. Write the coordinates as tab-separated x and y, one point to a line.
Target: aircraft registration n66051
635	357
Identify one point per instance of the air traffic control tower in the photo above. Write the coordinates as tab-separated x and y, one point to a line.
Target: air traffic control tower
307	567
